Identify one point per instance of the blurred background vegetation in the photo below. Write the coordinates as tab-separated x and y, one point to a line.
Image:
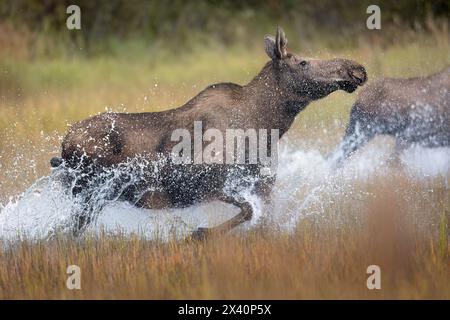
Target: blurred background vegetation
181	25
152	55
151	33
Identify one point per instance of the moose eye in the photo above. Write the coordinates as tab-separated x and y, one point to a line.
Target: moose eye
303	63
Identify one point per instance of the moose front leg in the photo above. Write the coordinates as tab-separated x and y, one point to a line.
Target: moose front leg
264	190
264	187
243	216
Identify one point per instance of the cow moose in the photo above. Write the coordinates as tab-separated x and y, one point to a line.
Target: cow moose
415	111
272	100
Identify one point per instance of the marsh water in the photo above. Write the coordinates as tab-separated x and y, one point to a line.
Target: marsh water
307	187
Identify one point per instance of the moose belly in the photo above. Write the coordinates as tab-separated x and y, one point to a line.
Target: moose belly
176	186
185	185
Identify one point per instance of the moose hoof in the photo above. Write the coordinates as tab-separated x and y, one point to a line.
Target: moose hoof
200	233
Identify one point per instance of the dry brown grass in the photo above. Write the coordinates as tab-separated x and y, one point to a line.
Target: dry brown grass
320	260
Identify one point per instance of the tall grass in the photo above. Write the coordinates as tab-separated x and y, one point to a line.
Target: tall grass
320	260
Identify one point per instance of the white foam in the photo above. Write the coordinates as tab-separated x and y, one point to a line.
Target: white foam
40	210
304	179
422	162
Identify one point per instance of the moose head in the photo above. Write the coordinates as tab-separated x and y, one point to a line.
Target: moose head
311	78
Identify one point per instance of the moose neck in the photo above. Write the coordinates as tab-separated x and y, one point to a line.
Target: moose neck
275	106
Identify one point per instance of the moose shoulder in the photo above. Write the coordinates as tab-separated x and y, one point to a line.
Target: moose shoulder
272	100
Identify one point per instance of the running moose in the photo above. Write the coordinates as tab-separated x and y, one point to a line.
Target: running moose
272	100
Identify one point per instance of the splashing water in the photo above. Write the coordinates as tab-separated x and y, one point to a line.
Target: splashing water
430	162
304	178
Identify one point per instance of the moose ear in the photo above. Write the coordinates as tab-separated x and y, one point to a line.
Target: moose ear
281	43
276	48
269	44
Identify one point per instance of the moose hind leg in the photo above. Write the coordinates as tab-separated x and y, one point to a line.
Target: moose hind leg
81	221
243	216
